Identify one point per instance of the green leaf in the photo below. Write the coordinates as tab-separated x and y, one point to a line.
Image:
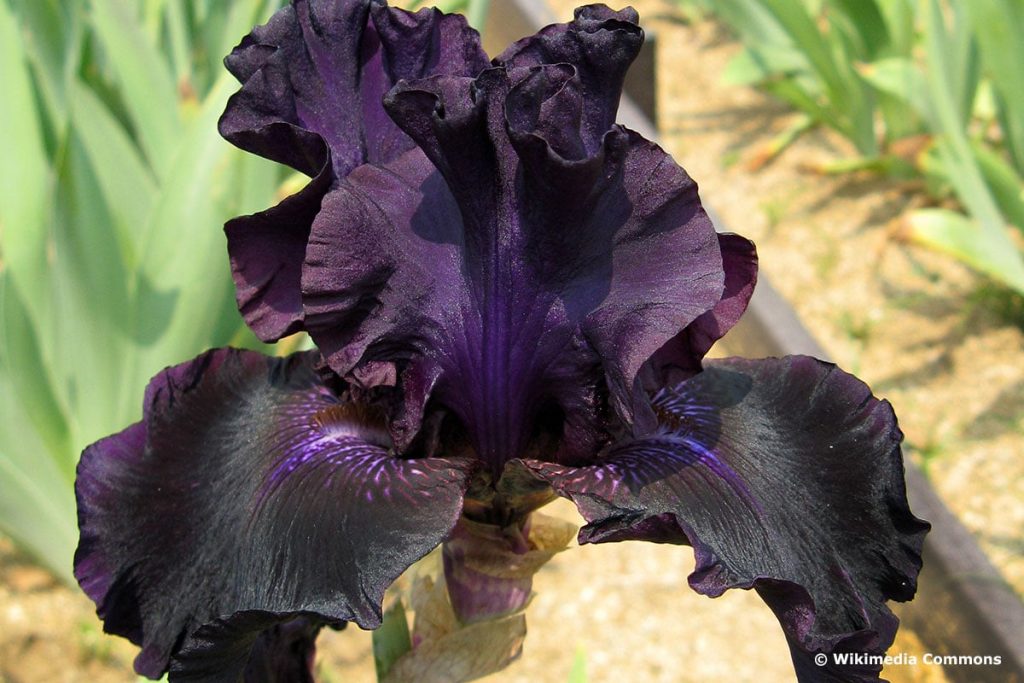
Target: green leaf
126	182
899	77
965	239
899	22
804	98
24	174
152	18
183	211
999	25
36	501
26	182
752	20
954	149
752	66
91	301
476	13
866	20
391	640
37	506
1006	184
964	62
23	378
890	166
902	95
778	33
807	37
112	258
578	672
147	86
180	40
53	39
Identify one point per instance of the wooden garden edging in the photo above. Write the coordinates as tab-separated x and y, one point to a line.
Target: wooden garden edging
964	606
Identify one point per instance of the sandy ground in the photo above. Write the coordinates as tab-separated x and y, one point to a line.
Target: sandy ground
937	341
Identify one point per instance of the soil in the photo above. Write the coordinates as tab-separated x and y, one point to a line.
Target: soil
945	346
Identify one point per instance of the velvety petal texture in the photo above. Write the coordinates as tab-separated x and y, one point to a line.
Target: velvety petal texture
601	43
681	357
785	475
266	251
313	79
250	507
739	260
530	256
314	75
264	647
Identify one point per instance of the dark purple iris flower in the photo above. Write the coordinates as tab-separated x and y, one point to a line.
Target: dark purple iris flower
511	297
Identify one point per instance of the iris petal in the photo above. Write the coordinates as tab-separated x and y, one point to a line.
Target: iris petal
739	259
601	44
266	251
265	647
681	357
313	78
524	260
249	497
786	476
319	69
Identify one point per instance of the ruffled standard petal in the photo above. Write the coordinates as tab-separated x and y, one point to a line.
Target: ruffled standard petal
249	508
785	475
315	74
313	79
526	261
601	44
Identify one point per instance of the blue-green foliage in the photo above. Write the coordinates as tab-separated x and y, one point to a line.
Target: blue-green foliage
113	186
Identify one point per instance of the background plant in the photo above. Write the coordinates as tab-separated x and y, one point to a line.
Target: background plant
113	188
928	89
112	266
